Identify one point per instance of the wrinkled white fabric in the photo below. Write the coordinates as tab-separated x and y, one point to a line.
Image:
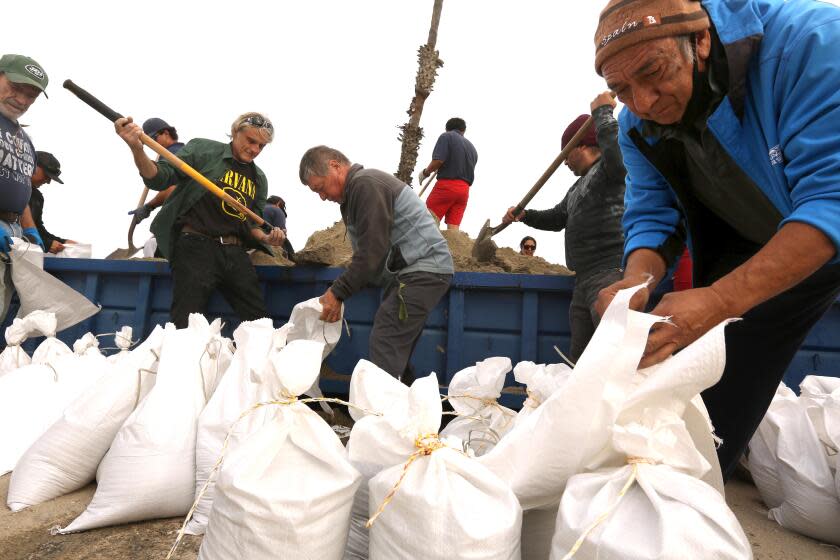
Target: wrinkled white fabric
33	397
149	470
667	512
763	461
87	345
286	490
13	356
541	381
66	456
473	393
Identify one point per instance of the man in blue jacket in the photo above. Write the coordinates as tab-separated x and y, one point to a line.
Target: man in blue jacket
730	133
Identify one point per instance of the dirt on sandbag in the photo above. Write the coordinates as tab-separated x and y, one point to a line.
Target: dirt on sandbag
331	247
505	260
277	258
328	247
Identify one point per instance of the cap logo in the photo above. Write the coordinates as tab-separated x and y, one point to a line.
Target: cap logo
35	71
627	27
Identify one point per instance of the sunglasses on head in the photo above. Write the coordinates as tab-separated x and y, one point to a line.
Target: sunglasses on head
259	122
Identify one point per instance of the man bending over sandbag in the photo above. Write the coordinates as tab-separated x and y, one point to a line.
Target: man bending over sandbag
730	130
396	245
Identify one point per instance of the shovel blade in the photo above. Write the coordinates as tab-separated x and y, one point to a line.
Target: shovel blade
122	254
484	248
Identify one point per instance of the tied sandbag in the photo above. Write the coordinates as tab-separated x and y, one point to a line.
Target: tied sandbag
474	393
763	462
238	390
646	499
122	339
814	392
541	381
286	490
810	503
13	356
433	501
33	397
51	349
66	456
573	425
372	390
149	470
88	345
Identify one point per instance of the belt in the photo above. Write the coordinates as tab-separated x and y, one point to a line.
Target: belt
231	239
10	217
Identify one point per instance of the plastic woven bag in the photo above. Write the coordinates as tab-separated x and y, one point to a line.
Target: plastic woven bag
66	456
645	498
287	489
13	356
541	381
474	392
763	462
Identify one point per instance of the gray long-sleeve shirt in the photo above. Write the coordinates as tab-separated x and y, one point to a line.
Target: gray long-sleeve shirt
592	209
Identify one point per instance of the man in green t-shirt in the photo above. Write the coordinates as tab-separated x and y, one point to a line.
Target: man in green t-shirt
204	238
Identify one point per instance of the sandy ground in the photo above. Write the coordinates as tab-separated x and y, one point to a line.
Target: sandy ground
25	535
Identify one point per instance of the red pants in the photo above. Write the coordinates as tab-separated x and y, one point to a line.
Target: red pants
449	198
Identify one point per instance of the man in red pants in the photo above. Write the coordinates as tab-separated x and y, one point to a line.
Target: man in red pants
454	160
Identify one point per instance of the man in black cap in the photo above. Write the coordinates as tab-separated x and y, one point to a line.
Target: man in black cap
22	80
161	132
46	171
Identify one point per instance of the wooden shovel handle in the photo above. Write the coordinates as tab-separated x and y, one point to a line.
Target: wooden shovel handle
112	115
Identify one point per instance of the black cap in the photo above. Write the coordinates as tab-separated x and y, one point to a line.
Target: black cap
154	125
50	165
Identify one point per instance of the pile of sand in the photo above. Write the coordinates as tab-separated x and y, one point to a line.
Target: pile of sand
331	247
278	258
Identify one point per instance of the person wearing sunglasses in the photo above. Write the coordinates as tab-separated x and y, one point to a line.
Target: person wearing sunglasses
161	132
527	246
590	213
205	239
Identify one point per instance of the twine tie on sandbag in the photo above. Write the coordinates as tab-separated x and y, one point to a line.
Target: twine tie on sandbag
117	335
635	462
426	445
285	399
562	355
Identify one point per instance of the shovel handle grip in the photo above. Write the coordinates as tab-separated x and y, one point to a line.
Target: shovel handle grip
92	101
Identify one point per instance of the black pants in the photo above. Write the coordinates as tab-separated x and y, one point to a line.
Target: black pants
201	265
392	339
583	319
759	350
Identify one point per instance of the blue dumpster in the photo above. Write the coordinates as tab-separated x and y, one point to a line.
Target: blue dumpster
516	315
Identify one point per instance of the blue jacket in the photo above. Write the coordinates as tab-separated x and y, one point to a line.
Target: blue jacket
783	130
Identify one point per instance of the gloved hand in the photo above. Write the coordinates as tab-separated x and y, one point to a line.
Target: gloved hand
423	175
5	244
141	212
33	236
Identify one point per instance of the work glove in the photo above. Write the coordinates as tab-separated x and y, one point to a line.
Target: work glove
141	212
32	235
423	175
5	244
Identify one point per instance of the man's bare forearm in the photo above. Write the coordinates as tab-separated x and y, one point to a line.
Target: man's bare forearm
643	264
145	165
793	254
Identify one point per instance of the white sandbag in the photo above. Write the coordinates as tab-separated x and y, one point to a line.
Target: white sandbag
814	391
285	491
574	423
538	532
51	349
238	390
149	470
33	397
76	251
23	249
40	290
149	247
541	381
13	355
646	500
447	505
811	505
123	341
88	345
372	390
66	456
474	392
832	419
763	462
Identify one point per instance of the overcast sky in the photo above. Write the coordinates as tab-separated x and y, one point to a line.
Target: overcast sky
335	72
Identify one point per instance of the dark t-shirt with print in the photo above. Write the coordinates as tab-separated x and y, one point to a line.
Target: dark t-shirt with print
17	162
212	216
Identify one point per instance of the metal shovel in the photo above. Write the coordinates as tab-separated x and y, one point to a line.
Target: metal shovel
484	248
128	253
